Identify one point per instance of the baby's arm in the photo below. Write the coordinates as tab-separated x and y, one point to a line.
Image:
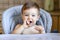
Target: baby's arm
18	29
40	29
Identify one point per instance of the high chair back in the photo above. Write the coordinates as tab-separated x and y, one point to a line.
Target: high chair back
12	16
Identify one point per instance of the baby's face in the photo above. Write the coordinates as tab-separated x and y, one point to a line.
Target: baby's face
30	16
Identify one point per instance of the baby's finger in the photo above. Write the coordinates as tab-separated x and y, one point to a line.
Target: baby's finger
37	28
25	22
28	23
25	25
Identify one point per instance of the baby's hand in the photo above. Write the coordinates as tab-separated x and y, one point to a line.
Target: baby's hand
25	24
28	23
40	29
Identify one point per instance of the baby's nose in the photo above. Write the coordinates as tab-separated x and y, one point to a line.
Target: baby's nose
29	18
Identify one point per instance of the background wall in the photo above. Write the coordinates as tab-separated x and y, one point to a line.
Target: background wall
59	4
56	4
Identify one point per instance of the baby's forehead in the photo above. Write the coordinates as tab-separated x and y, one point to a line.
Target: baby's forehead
31	10
31	13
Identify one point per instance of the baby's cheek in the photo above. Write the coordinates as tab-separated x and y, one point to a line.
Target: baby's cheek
25	19
34	20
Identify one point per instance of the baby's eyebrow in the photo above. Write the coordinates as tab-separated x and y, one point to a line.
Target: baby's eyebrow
26	13
33	14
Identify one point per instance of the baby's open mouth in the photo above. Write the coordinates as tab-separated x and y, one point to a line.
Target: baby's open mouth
29	22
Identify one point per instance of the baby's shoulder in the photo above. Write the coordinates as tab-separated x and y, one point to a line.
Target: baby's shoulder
17	26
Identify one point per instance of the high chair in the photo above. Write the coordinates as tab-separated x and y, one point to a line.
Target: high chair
12	16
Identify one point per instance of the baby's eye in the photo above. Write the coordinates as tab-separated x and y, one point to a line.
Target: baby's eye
33	15
26	15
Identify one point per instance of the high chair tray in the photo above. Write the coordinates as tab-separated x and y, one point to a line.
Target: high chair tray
47	36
